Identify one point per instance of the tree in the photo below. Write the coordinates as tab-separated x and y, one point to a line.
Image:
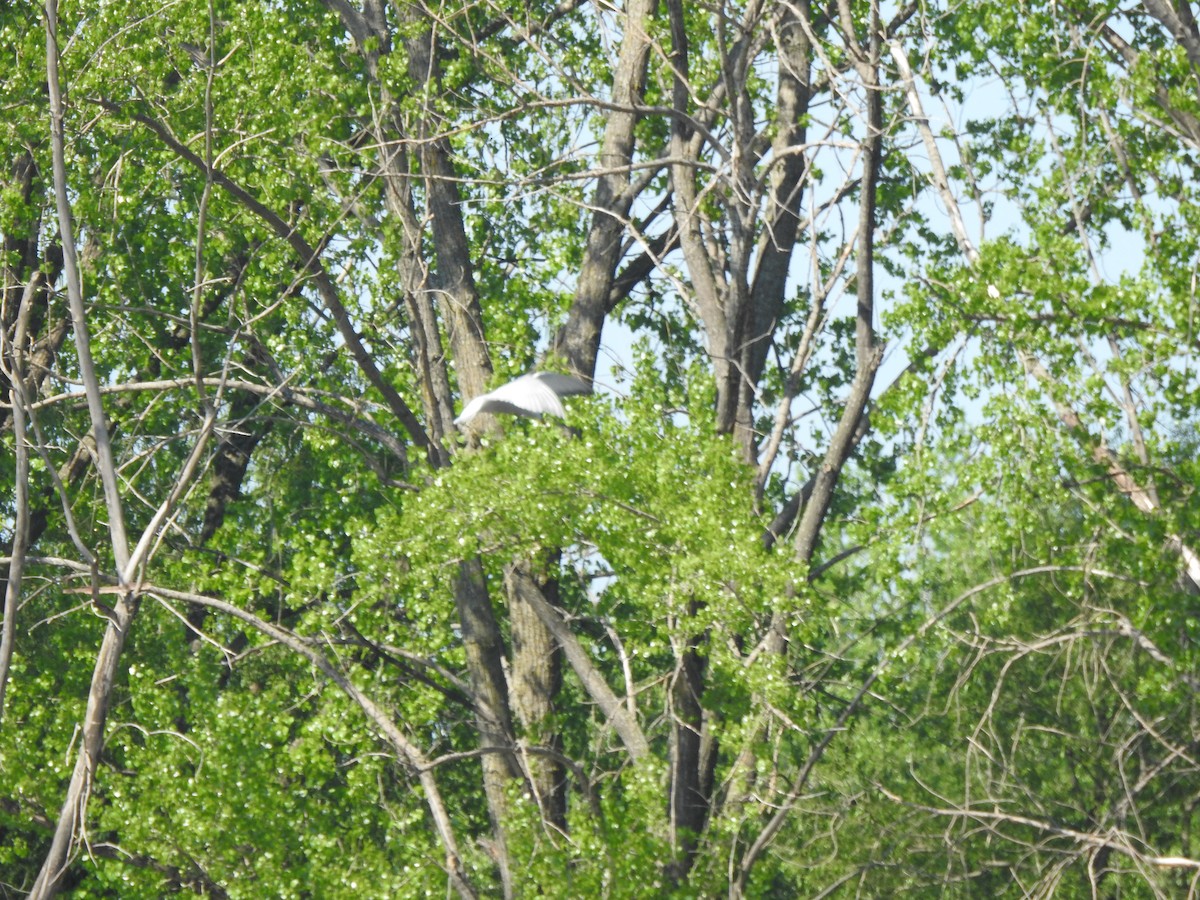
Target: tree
904	435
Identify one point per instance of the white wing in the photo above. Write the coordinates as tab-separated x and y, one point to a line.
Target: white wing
472	409
528	395
531	395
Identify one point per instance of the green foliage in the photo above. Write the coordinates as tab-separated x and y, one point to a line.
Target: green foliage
987	675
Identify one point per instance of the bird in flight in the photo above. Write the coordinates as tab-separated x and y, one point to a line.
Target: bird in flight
531	395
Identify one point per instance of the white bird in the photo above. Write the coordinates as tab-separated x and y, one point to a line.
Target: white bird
531	395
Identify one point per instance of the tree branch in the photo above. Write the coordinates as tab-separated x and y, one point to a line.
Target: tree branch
310	260
593	682
71	819
407	751
12	363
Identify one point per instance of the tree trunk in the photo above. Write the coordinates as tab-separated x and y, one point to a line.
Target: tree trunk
578	341
485	654
777	245
693	759
534	686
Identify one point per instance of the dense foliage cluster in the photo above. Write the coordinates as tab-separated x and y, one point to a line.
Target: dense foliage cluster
871	567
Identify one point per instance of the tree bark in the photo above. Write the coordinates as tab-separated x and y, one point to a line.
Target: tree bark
739	309
462	314
693	758
72	819
817	496
12	364
777	245
705	282
485	665
578	341
534	686
868	354
622	721
463	319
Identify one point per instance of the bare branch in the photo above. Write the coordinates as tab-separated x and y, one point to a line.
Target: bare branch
1115	840
71	819
12	364
940	179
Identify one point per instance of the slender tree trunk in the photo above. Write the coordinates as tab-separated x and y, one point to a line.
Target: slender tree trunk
693	757
485	665
818	495
462	314
463	319
72	819
535	684
868	354
777	245
707	284
578	341
12	363
429	356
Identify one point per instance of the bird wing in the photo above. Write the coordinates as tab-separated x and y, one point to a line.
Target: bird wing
529	395
532	395
472	409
